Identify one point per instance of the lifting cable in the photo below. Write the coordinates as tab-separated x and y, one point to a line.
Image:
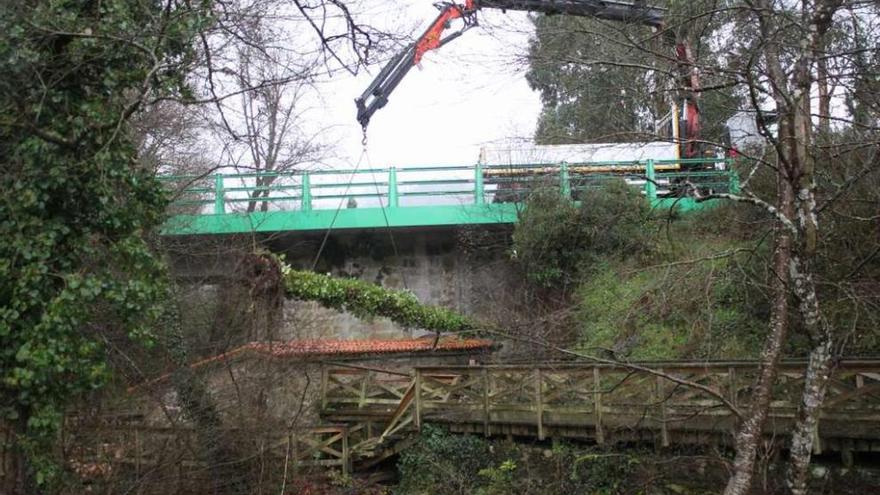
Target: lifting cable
339	207
364	156
384	213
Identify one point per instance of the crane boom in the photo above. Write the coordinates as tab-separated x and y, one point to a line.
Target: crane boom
377	93
636	13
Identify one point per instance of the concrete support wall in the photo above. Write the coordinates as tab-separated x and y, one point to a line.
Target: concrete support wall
436	265
431	264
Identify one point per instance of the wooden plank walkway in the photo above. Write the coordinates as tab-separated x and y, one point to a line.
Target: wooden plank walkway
655	402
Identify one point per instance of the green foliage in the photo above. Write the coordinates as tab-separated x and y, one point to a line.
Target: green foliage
593	83
556	241
549	240
367	300
713	308
584	101
707	309
500	480
649	316
618	220
603	473
75	270
443	463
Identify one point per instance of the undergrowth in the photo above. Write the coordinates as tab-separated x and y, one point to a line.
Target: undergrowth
441	463
695	303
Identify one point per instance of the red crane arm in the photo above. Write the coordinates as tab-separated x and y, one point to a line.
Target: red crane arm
433	37
376	94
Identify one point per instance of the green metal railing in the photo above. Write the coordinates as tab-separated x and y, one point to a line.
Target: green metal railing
475	185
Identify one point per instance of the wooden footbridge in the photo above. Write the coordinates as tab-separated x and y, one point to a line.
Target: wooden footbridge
369	414
663	403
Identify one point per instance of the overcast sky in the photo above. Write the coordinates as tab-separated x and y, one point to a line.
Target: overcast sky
469	93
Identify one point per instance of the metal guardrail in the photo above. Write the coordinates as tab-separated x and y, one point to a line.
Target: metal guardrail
392	187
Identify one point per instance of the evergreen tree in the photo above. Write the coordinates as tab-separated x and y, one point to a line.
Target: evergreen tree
75	268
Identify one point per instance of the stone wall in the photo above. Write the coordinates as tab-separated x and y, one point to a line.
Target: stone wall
441	266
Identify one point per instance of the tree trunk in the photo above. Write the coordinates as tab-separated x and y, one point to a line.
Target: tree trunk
255	195
227	473
815	385
23	481
803	286
748	437
816	377
824	95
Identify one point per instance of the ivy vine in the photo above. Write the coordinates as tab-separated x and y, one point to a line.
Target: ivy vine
75	268
367	300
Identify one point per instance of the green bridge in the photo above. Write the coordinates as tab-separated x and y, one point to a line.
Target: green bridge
425	196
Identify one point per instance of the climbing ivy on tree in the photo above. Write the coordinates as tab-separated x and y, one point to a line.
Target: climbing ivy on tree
75	269
366	300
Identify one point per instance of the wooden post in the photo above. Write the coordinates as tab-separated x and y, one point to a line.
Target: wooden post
597	401
539	403
846	454
137	460
731	384
324	378
485	401
346	457
417	390
362	400
664	432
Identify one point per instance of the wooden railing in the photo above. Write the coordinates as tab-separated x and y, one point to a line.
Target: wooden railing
666	402
138	455
370	413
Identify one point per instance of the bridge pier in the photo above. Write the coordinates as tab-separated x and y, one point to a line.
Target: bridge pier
434	264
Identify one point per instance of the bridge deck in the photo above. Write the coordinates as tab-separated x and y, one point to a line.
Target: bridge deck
668	403
412	196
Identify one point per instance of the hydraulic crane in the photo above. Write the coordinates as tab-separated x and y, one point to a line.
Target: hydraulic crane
377	93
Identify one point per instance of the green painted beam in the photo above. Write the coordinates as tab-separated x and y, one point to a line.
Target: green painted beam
347	218
365	218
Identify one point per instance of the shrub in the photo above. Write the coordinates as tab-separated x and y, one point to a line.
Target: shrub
443	463
556	240
618	220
